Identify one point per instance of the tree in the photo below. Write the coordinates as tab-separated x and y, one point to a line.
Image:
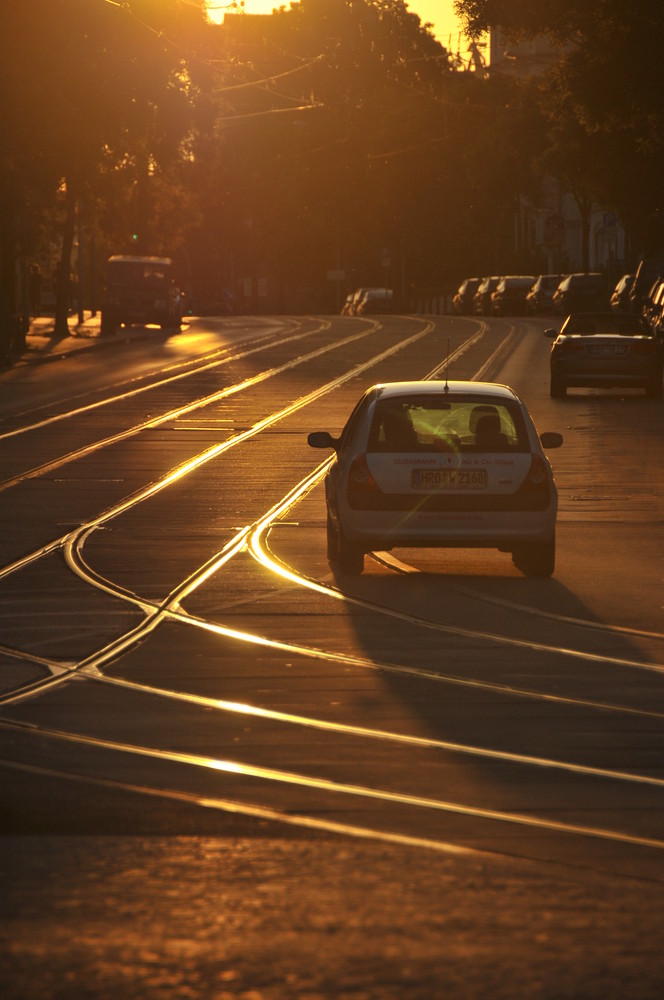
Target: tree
597	85
97	88
352	135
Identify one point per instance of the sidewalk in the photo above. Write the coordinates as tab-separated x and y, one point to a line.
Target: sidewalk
42	346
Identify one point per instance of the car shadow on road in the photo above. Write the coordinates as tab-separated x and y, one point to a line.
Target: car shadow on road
479	654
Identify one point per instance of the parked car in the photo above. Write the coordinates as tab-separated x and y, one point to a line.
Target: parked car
652	303
375	300
509	295
348	303
657	328
580	292
538	299
140	290
440	464
619	301
462	300
648	271
605	349
482	297
353	301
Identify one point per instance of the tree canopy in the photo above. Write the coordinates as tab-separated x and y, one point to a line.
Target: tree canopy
330	135
606	90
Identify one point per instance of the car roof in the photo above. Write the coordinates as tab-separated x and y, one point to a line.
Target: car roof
484	390
129	259
141	259
603	316
605	322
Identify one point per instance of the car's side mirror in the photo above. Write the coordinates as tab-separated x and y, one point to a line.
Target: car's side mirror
551	439
321	439
551	333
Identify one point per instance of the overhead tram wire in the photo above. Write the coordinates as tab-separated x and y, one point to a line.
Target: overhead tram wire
214	65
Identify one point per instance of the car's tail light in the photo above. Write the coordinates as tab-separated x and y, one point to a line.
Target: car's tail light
537	480
642	347
360	481
569	347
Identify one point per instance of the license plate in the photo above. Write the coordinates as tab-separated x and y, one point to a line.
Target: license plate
608	350
443	479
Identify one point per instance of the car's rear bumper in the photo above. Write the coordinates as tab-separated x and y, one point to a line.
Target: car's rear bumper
400	503
448	529
609	375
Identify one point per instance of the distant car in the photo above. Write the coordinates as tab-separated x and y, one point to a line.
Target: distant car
346	307
438	464
619	301
140	290
651	305
462	300
375	300
538	299
509	295
482	297
580	292
353	301
657	328
605	349
649	269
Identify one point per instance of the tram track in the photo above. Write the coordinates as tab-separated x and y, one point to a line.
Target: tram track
202	458
91	667
155	379
234	767
252	539
168	416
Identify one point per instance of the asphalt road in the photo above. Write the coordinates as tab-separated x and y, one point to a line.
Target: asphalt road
228	772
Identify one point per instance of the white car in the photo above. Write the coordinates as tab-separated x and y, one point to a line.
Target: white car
439	464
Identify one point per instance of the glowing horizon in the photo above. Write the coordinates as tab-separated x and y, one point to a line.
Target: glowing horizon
439	13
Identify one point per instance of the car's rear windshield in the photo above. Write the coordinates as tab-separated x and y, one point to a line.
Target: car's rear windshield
435	423
521	282
626	324
587	281
132	272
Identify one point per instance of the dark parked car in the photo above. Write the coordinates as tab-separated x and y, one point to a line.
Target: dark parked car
462	300
580	293
620	296
605	349
538	299
352	302
346	307
652	303
482	297
647	273
509	296
375	300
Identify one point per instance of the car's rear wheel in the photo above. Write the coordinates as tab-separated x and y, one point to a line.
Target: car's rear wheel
109	321
351	557
557	387
654	386
346	556
332	541
536	558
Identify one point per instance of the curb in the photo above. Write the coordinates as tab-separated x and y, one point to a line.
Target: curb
42	348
